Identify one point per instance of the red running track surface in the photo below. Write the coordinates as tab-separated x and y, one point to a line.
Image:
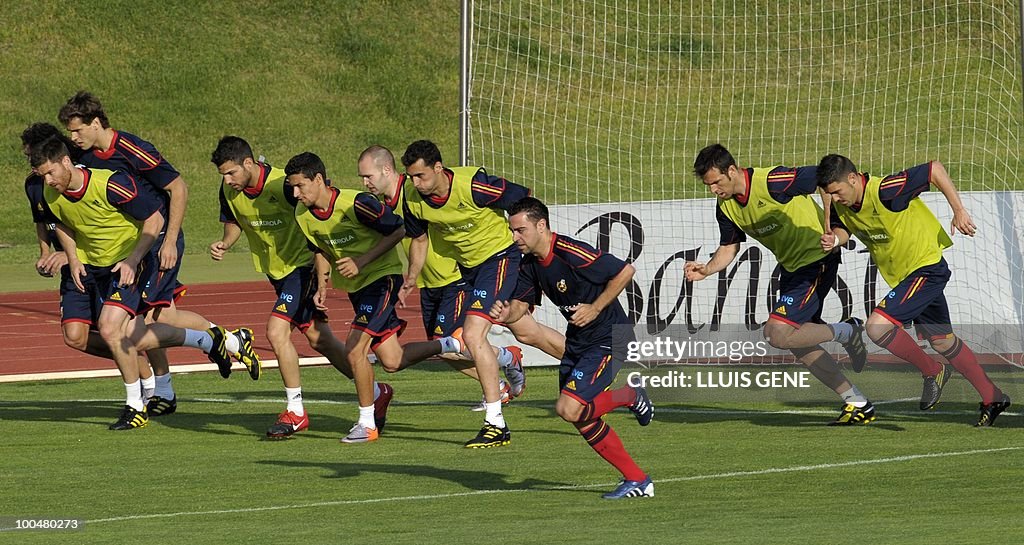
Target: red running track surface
31	339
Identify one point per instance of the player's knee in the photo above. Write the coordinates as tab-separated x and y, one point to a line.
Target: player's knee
877	327
942	344
79	340
569	409
390	366
778	335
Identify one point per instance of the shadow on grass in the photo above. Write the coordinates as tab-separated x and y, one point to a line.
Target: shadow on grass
471	479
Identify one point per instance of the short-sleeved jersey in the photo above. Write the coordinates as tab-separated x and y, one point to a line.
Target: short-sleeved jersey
131	154
34	191
469	224
438	271
106	214
573	272
350	226
777	209
265	212
898	229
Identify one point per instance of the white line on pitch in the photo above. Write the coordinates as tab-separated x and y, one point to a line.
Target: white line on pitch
732	474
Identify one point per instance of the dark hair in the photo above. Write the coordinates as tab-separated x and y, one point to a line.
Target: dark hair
307	164
86	106
37	133
832	168
381	156
51	149
231	148
422	149
533	208
715	156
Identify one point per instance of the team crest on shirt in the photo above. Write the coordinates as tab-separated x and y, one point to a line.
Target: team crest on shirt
561	286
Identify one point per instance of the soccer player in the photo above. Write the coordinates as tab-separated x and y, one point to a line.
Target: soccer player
255	200
86	120
108	223
442	289
585	284
359	235
774	205
463	210
77	325
906	242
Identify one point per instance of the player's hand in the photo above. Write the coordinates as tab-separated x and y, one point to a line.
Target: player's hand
51	264
168	254
500	311
962	222
218	249
320	299
78	272
125	273
347	267
583	314
828	241
694	271
403	292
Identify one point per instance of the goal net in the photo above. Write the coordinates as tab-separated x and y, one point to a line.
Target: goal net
600	106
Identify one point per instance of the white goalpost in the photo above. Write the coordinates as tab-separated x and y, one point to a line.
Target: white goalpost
600	106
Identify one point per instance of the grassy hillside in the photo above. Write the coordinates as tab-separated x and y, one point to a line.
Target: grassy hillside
328	77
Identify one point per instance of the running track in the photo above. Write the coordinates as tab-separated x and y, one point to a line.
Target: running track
31	340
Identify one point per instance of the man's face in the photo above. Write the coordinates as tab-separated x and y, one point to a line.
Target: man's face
56	174
525	233
723	184
85	136
236	176
373	176
844	190
307	191
425	178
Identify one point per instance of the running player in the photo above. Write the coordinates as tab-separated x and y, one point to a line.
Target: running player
359	236
442	289
906	242
585	284
85	118
774	206
108	223
255	200
463	211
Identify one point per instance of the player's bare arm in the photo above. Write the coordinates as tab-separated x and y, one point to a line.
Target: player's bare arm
66	236
417	256
834	238
178	192
127	268
220	247
724	255
349	267
585	313
323	280
508	312
962	221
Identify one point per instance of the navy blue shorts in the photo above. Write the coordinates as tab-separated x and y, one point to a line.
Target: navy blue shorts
295	294
442	309
583	376
374	306
76	306
920	299
493	280
802	292
161	288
